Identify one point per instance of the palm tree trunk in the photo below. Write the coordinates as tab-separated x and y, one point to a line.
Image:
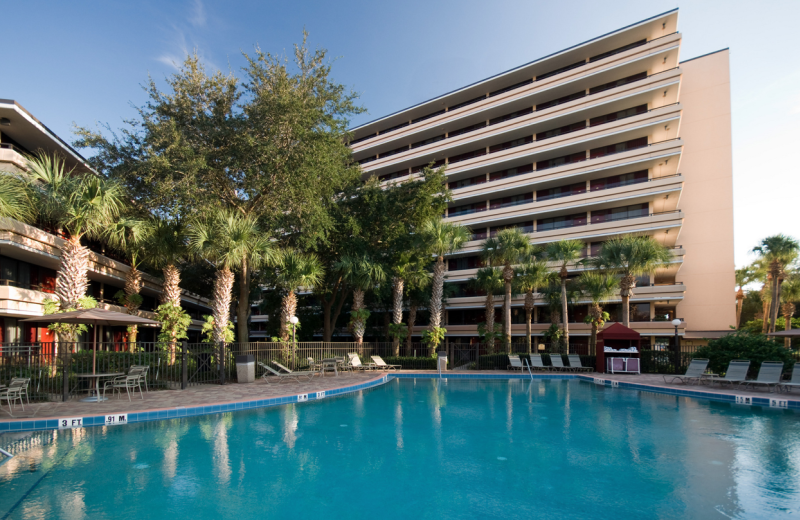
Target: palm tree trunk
359	327
563	274
288	309
626	285
412	319
596	312
765	307
435	307
133	285
72	281
172	290
243	306
397	308
739	305
593	340
788	311
773	308
489	305
508	275
221	303
528	316
776	307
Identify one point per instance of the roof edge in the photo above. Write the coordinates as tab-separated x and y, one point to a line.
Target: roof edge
704	55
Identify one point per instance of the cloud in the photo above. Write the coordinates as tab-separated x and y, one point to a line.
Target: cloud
185	37
198	17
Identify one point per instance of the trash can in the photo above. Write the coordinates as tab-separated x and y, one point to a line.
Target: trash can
245	369
441	362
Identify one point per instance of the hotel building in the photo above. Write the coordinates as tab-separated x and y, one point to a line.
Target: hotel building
30	255
612	136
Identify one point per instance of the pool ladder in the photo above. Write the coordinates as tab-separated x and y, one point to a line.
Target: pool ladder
528	366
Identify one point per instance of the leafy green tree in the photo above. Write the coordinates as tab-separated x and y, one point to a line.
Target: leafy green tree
630	256
294	270
531	275
564	252
744	345
362	274
778	252
790	293
174	324
744	276
598	287
489	280
407	266
167	247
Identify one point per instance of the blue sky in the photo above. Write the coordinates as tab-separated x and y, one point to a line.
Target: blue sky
84	62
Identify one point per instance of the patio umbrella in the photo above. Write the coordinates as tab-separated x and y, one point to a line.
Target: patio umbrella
94	317
791	333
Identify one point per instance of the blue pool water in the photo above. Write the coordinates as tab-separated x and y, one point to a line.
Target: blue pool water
425	448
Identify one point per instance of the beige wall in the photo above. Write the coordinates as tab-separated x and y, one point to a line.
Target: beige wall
707	197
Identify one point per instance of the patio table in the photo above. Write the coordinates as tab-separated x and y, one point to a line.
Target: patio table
328	364
97	377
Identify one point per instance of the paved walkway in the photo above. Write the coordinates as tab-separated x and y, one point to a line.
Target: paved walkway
202	395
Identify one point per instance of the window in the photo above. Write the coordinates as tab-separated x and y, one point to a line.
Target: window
423	118
436	164
567	221
467	262
465	317
512	115
395	151
621	213
525	227
393	175
561	191
574	127
468	155
510	172
393	128
466	129
360	139
618	50
463	183
621	114
511	144
428	141
465	103
462	290
367	159
617	83
562	69
24	275
616	181
515	200
611	149
561	100
466	209
512	87
478	234
559	161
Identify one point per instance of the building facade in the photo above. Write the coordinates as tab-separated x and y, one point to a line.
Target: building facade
612	136
30	255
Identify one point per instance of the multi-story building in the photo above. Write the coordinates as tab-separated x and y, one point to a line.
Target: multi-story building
30	256
612	136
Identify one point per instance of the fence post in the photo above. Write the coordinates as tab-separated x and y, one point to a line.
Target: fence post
221	358
184	365
65	376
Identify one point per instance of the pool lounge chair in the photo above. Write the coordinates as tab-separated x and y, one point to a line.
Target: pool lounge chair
296	373
769	374
575	363
536	362
381	364
355	363
516	364
266	376
693	373
736	373
558	363
794	382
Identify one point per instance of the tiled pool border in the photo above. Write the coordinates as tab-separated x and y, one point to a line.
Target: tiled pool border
175	413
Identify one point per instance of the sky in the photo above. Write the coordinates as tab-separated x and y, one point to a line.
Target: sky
84	62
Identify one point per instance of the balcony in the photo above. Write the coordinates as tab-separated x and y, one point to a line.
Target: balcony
507	202
466	209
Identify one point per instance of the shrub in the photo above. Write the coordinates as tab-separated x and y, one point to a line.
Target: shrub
744	345
411	363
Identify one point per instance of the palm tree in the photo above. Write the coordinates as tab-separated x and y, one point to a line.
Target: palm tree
229	240
744	276
441	239
16	199
295	270
418	296
489	280
598	287
564	252
506	249
79	205
531	275
166	248
790	293
130	236
361	273
630	256
407	268
778	251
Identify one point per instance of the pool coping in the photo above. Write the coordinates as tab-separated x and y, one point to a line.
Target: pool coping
137	416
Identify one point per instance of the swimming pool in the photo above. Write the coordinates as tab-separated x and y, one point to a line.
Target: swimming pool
427	448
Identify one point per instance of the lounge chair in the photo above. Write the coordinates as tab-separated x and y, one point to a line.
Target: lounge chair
769	374
296	373
515	363
558	363
281	375
693	373
736	373
355	363
575	363
536	362
794	382
381	364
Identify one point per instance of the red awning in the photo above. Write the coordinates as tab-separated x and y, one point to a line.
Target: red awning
618	331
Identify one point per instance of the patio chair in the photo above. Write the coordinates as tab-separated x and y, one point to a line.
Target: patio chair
381	364
694	372
794	382
515	363
558	363
144	369
769	374
537	363
355	363
312	366
328	365
12	394
296	373
129	382
576	365
342	364
22	383
736	373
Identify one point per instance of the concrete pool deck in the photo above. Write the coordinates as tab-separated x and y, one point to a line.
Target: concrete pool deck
204	399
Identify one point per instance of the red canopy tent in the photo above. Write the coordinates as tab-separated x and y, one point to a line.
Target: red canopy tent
616	336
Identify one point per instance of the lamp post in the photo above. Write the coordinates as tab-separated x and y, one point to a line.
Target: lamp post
294	321
676	323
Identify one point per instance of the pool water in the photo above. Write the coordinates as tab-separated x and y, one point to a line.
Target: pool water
427	448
